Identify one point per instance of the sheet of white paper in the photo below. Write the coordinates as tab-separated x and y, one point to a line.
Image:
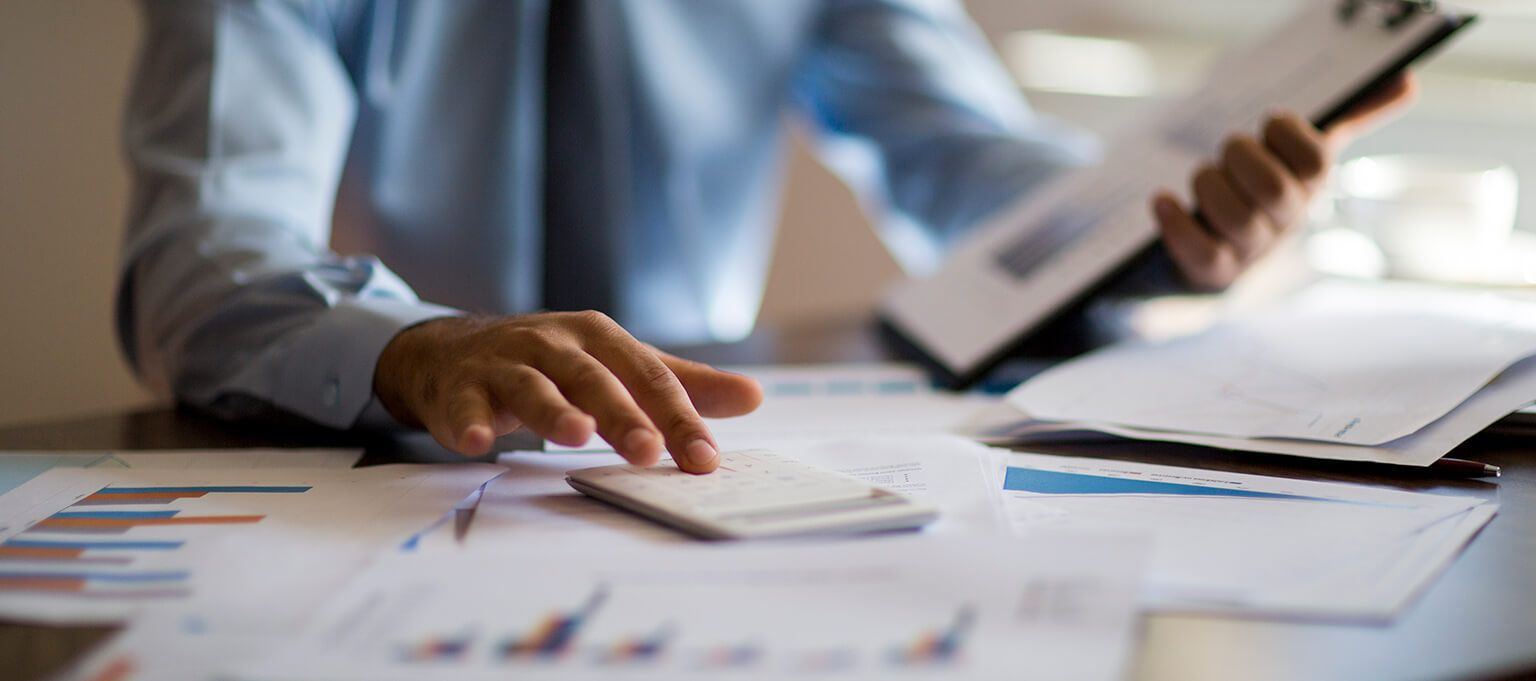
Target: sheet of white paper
838	380
1358	377
1499	398
948	471
815	403
1253	545
237	550
158	647
19	467
918	607
532	505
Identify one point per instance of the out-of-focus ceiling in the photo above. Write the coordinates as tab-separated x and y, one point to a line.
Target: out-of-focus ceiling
1500	46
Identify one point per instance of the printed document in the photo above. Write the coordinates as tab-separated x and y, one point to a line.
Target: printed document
228	549
1252	545
1345	377
1056	607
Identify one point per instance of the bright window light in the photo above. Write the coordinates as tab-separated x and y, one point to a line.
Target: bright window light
1057	62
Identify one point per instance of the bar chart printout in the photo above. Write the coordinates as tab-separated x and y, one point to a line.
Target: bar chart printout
552	637
916	609
243	550
939	647
117	541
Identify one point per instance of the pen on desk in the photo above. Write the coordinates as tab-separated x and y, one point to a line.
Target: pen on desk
464	513
1464	468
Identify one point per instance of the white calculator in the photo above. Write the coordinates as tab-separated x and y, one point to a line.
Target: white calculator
754	494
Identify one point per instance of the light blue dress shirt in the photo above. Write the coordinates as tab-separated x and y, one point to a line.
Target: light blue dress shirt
429	128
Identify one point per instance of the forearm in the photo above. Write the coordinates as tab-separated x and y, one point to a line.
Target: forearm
918	115
238	341
237	123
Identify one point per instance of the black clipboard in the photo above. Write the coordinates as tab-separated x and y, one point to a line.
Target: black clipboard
1389	15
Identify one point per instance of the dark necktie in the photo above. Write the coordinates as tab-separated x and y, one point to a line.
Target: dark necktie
581	155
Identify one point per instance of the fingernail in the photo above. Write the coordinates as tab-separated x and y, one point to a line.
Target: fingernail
638	440
472	437
700	452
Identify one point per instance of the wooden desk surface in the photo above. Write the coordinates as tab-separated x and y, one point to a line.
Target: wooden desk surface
1477	621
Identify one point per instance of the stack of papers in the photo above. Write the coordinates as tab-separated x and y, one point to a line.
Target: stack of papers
1332	374
1250	545
1035	569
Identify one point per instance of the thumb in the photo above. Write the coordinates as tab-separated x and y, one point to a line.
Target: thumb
1382	105
714	393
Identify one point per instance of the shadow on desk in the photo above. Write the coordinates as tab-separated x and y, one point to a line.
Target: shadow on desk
186	428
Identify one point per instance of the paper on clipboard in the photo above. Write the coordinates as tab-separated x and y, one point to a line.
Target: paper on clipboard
1015	273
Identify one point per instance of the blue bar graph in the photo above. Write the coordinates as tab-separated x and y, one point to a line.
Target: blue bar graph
102	576
209	489
115	514
1058	482
554	635
94	545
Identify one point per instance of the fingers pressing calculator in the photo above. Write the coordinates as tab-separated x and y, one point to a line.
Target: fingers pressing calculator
754	494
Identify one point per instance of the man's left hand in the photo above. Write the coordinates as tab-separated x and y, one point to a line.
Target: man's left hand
1259	189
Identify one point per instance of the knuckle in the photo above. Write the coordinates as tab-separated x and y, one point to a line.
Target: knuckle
683	425
592	320
1254	225
1236	147
1207	261
520	380
1308	156
521	339
466	391
1313	162
1208	181
587	375
1267	187
657	376
1277	131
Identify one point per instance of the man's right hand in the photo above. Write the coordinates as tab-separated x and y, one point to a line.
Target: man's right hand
563	375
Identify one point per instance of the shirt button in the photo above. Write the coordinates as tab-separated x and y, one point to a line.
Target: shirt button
330	395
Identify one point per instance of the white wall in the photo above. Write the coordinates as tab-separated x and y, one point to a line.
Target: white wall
63	69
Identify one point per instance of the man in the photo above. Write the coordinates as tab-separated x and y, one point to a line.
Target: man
510	156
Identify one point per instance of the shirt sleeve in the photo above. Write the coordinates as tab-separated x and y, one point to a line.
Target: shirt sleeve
914	110
236	130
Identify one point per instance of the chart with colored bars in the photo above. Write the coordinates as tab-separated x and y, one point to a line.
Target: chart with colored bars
554	639
865	610
118	542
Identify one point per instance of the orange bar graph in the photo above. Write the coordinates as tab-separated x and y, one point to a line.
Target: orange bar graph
41	584
30	553
123	523
120	669
138	498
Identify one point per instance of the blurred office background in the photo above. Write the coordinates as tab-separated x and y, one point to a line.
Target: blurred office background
1098	63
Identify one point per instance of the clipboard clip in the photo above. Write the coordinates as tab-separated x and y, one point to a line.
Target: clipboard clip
1395	13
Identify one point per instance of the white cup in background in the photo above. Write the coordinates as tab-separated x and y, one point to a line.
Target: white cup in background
1441	218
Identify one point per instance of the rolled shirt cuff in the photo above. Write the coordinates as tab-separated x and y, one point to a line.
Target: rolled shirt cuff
327	374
